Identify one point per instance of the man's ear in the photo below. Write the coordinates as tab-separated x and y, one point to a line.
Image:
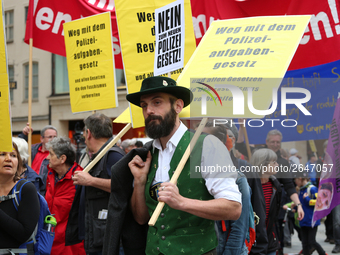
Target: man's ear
179	104
88	133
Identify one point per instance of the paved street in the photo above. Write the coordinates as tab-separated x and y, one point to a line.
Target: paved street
320	237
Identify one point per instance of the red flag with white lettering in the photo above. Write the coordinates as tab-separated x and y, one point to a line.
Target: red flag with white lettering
48	17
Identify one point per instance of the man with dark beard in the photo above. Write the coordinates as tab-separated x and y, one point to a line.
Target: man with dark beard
186	223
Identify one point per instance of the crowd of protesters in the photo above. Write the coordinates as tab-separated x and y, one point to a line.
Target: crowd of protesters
82	201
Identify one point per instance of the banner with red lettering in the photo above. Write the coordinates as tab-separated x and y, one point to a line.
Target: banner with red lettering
45	24
321	36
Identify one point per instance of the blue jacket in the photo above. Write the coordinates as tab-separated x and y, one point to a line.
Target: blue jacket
311	171
43	167
33	177
237	230
308	209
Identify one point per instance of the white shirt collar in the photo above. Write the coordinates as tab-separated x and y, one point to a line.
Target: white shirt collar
173	141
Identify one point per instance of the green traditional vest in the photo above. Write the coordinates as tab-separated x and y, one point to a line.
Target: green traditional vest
178	232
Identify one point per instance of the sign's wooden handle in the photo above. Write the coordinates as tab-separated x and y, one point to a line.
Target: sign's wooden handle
107	147
247	141
179	169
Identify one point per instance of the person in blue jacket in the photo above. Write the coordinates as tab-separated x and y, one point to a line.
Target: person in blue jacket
28	173
307	195
312	171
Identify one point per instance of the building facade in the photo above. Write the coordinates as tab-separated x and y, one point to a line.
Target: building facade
50	96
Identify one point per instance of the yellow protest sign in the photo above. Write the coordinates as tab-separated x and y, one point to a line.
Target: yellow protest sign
312	145
241	59
5	117
90	63
124	117
136	26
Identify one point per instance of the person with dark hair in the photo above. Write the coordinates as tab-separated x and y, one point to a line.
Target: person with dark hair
16	226
336	228
60	190
288	229
87	219
186	224
218	131
39	151
307	194
139	144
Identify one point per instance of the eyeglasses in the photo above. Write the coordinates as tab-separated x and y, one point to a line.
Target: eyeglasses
49	137
274	142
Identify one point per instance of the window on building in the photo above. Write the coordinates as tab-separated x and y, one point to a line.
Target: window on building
11	78
26	13
60	75
9	25
35	82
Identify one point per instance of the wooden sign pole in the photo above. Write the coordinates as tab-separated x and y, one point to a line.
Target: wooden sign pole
179	169
107	147
30	75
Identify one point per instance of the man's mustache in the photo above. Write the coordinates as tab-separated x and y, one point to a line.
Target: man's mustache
153	117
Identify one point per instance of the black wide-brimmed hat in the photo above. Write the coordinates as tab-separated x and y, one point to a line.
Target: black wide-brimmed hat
160	84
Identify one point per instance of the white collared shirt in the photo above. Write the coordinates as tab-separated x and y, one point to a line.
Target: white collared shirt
214	153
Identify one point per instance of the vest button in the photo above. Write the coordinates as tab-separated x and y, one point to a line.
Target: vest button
162	227
163	237
162	215
157	248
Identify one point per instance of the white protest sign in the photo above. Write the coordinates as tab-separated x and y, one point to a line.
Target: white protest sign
169	32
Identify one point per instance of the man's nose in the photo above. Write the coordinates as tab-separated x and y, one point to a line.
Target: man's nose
149	110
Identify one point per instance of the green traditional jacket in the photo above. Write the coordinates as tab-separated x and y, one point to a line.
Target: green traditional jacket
178	232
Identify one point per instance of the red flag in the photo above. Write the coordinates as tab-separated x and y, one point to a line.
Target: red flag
29	24
48	17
